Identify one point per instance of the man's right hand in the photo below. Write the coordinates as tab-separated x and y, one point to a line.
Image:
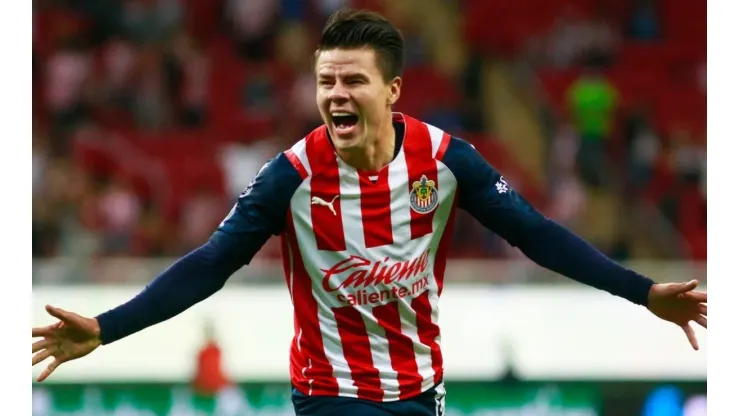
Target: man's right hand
74	336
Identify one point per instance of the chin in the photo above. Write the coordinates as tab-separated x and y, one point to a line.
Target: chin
346	142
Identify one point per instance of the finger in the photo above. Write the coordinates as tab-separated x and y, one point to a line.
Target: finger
701	320
50	369
40	345
691	336
60	314
702	309
697	296
687	286
41	356
43	331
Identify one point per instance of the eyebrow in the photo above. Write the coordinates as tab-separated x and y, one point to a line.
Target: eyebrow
353	75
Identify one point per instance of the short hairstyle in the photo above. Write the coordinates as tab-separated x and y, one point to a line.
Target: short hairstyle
351	28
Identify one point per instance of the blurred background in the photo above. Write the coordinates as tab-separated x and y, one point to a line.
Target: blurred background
151	116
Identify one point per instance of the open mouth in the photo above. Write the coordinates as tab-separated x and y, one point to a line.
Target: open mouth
344	121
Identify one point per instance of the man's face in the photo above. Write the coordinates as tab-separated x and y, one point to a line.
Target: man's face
353	99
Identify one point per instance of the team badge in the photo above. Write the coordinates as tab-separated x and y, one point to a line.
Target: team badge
423	196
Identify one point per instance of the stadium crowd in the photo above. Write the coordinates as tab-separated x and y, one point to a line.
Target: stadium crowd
150	116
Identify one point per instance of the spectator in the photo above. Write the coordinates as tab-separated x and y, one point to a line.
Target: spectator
565	41
192	93
149	21
151	107
567	196
592	102
40	156
118	61
120	210
644	24
210	378
67	74
252	26
200	215
294	50
601	42
643	147
152	235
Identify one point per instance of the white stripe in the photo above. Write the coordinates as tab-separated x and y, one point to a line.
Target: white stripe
349	189
335	353
380	351
422	353
436	135
398	183
300	150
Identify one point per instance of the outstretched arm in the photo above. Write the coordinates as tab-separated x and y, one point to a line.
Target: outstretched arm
260	212
485	194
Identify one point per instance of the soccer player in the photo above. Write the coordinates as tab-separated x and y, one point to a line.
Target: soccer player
364	205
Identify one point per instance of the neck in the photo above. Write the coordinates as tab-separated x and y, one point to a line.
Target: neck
378	152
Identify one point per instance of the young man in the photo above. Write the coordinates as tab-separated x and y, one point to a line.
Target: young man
364	206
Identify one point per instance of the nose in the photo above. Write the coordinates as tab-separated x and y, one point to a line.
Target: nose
338	93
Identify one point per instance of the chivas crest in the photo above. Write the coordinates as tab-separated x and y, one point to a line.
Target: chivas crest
423	196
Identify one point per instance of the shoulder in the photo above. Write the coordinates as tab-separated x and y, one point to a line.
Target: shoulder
424	139
458	148
466	163
311	153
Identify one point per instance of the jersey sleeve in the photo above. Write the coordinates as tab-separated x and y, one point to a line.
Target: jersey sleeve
484	193
260	211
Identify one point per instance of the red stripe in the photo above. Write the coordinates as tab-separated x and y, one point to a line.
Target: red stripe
290	154
443	147
440	259
401	349
311	355
375	202
417	148
428	331
296	360
325	185
356	347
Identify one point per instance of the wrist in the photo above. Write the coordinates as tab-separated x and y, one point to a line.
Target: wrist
97	333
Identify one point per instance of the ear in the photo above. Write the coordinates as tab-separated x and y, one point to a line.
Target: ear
395	91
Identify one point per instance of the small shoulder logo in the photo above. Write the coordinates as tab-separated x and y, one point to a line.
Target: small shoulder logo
501	186
423	196
248	189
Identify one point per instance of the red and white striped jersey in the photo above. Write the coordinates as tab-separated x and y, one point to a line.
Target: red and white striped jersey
364	257
364	253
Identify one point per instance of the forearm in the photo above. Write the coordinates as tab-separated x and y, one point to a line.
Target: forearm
555	248
188	281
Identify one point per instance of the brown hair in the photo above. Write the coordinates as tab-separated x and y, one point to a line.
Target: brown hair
349	29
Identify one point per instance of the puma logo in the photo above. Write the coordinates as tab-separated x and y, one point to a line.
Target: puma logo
318	201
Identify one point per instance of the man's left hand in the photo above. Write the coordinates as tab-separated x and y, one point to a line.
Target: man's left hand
679	303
